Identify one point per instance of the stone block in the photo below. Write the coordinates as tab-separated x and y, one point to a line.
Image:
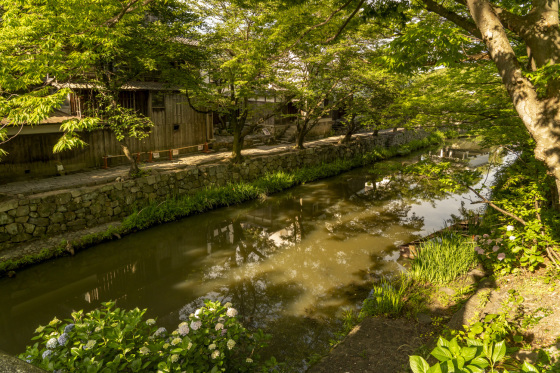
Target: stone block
96	209
90	196
22	219
14	228
69	216
4	237
57	217
46	209
5	219
118	186
32	207
39	231
117	211
53	229
75	193
33	215
107	188
151	180
23	202
77	223
40	222
29	228
62	208
9	205
21	237
63	198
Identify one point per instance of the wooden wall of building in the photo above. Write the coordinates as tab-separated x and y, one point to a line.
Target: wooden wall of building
176	126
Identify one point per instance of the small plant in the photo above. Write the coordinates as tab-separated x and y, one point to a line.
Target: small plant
386	298
443	259
476	356
115	340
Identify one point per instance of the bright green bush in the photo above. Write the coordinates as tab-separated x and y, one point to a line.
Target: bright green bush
475	357
115	340
443	259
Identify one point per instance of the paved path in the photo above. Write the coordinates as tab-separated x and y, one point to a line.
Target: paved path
101	176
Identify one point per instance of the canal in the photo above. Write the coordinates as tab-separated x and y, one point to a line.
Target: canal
290	263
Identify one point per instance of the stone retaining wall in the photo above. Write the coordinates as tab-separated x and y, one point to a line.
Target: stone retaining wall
41	215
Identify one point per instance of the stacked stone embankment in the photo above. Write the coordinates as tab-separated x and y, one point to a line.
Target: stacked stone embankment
24	218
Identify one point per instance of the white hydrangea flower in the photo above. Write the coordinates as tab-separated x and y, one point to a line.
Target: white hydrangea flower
150	322
212	347
195	325
176	341
144	350
228	305
183	329
166	346
248	360
512	238
231	312
219	326
197	312
230	344
215	354
189	346
174	358
52	343
509	228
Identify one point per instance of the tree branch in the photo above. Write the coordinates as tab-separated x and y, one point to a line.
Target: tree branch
491	204
128	8
345	22
460	21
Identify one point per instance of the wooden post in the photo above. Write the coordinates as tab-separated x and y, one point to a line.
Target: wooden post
150	157
137	157
170	154
105	166
206	150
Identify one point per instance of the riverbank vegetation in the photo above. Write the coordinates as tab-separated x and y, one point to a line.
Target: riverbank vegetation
177	207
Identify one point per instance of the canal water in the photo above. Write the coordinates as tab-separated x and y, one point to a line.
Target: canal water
290	264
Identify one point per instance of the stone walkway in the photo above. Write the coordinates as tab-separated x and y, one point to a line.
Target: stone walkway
102	176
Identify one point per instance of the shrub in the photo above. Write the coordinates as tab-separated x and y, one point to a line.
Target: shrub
443	259
115	340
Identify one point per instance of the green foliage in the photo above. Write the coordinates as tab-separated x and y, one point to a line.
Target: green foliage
474	357
525	190
443	259
116	340
386	298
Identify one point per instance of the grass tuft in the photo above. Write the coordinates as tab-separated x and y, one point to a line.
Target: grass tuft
443	259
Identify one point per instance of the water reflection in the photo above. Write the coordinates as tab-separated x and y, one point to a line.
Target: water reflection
288	264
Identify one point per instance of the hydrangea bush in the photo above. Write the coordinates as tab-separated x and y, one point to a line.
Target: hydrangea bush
114	340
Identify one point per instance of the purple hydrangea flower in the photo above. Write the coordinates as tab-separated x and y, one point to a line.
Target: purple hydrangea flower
68	328
46	354
63	339
160	332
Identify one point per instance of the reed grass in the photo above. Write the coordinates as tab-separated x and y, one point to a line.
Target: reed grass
442	259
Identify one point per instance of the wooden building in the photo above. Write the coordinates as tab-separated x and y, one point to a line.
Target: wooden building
176	127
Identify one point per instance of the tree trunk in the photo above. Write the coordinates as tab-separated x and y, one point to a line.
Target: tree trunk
134	170
375	132
300	139
540	117
346	139
236	156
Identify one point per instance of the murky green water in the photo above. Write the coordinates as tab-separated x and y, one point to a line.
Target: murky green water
289	264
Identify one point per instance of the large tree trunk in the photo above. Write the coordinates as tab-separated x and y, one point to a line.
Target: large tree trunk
541	117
